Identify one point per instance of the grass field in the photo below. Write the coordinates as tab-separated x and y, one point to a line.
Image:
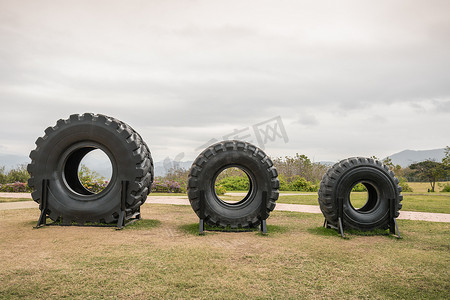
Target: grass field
437	203
422	187
163	257
5	199
428	202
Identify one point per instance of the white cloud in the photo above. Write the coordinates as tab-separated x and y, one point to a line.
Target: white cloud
348	78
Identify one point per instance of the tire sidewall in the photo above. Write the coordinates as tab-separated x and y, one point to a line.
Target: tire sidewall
244	211
54	154
378	216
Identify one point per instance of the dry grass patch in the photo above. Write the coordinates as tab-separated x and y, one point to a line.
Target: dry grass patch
165	258
7	199
422	187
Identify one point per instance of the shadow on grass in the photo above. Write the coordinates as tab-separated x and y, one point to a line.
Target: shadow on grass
31	223
143	224
194	229
322	231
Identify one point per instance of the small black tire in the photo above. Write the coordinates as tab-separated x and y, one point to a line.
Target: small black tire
262	175
59	153
381	185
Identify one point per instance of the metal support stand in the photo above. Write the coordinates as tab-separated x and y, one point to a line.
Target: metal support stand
341	216
340	226
262	215
123	220
201	223
393	227
43	205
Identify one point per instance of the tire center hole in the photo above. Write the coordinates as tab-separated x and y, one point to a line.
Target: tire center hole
88	171
236	183
363	196
95	171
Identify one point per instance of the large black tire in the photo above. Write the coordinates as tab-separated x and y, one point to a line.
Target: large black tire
58	155
254	162
381	187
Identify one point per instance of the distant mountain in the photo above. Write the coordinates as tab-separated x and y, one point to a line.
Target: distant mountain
327	163
407	157
162	167
11	161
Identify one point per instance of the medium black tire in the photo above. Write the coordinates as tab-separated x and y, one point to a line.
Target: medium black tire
254	162
59	153
381	186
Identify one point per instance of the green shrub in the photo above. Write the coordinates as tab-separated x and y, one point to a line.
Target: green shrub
18	174
3	175
91	180
359	188
220	190
235	183
302	185
446	188
284	186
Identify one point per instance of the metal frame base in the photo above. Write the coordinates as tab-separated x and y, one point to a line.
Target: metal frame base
262	215
123	220
393	227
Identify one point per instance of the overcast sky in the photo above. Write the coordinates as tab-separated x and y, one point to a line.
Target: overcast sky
346	77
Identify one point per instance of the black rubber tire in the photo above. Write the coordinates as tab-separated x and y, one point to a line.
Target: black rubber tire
59	153
381	186
253	161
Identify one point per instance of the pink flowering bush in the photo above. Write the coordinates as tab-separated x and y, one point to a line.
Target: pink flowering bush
16	187
167	186
95	186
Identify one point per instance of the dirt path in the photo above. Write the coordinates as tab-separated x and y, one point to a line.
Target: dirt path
15	195
177	200
281	194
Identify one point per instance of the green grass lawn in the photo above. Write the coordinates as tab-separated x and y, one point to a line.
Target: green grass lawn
165	258
5	199
437	203
428	202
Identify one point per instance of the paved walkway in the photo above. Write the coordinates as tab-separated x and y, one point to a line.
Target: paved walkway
281	194
177	200
15	195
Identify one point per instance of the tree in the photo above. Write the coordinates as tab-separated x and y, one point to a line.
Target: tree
388	162
394	168
446	159
299	165
3	176
430	171
19	174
